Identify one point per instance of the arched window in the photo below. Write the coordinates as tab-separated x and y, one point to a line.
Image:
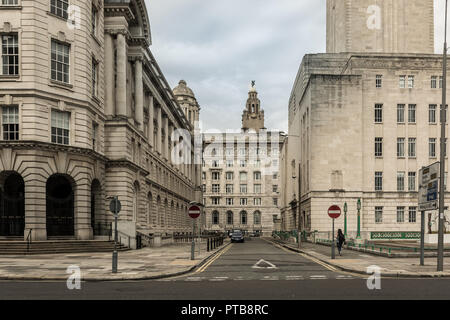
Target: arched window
135	200
215	217
257	218
230	218
243	217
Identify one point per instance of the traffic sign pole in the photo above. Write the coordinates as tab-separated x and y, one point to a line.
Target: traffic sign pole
194	213
422	238
333	212
193	242
332	242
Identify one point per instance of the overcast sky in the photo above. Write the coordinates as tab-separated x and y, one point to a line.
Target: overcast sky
218	47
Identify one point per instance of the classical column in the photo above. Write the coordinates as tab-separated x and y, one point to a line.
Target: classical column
166	139
158	134
121	86
109	75
151	126
139	93
170	147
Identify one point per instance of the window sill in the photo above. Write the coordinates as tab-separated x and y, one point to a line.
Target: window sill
59	84
8	77
10	7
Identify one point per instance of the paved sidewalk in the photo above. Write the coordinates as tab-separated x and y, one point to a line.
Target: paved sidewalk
357	262
146	263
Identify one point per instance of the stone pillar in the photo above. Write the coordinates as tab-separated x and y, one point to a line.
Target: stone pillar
166	139
109	75
158	134
139	93
35	205
82	225
121	86
170	147
151	126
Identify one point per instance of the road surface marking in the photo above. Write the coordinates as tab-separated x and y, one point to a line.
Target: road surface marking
318	277
270	278
294	278
206	265
269	265
344	277
218	279
194	279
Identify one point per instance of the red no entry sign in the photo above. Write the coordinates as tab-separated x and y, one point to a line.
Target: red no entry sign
194	212
334	212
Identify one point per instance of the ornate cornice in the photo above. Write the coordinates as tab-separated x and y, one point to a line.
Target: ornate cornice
118	10
127	164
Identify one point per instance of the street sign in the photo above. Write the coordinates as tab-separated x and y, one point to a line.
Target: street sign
429	187
194	212
115	206
334	212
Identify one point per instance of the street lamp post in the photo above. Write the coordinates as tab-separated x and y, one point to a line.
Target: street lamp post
440	258
358	206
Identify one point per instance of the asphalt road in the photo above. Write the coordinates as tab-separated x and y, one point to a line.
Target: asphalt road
236	275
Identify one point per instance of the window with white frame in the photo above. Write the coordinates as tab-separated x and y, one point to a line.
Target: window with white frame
243	188
229	151
433	82
242	163
411	181
432	113
215	175
60	127
378	181
243	176
59	8
378	113
275	175
378	147
243	201
257	218
10	55
378	214
412	147
400	181
10	123
256	188
432	147
378	81
229	175
10	2
412	113
274	188
215	217
257	201
410	82
216	188
402	82
204	175
60	61
94	135
229	188
275	201
230	163
94	20
94	77
412	216
230	218
215	201
257	175
243	217
229	201
400	113
400	147
400	214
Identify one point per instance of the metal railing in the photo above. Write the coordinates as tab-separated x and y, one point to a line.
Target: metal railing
29	240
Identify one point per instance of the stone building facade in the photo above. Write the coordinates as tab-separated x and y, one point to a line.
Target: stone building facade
241	175
361	125
87	114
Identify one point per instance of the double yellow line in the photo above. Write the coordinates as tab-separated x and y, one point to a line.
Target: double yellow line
206	265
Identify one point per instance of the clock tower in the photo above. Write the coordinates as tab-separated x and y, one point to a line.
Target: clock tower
253	116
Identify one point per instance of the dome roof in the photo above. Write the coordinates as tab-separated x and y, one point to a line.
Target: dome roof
183	90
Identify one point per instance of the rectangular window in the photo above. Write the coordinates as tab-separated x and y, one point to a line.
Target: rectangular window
400	113
275	201
400	181
243	188
378	147
410	82
411	181
400	147
60	61
215	201
275	188
275	175
412	113
242	163
229	201
94	135
59	7
229	188
243	201
230	163
257	201
257	175
432	147
204	175
10	55
216	188
412	147
204	188
378	214
94	77
402	82
10	2
378	113
432	113
433	82
257	188
412	216
10	123
378	81
216	175
243	176
378	181
400	214
229	151
229	175
94	20
215	164
60	127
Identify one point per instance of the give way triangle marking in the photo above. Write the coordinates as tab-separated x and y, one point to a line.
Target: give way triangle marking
263	264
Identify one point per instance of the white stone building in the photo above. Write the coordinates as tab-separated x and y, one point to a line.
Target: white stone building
241	175
363	119
87	113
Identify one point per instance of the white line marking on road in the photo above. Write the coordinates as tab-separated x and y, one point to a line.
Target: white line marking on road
294	278
194	279
218	279
318	277
270	278
344	277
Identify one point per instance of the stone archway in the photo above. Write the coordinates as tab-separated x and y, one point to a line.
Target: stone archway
12	205
60	215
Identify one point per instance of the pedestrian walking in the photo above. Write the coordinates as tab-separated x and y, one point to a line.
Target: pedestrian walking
340	240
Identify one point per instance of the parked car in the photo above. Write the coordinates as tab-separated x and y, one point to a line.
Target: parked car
237	236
